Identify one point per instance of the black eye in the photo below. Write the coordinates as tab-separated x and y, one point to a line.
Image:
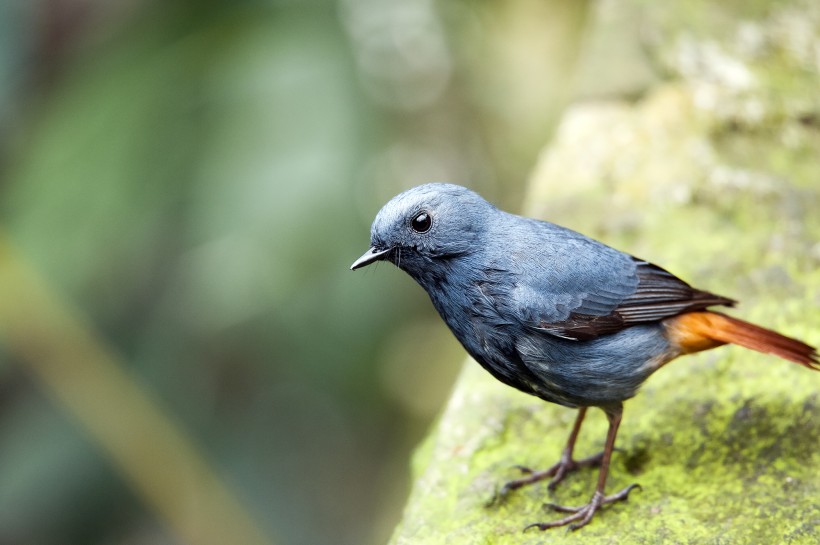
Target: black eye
422	222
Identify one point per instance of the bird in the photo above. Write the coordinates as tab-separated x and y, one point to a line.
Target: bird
556	314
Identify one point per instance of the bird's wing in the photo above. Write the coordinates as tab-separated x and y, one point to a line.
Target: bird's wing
582	289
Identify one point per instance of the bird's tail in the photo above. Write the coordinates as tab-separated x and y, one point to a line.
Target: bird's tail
696	331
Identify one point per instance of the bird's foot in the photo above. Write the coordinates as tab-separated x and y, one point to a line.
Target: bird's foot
567	465
580	516
557	472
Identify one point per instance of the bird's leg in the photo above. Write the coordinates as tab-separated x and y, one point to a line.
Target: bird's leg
580	516
561	469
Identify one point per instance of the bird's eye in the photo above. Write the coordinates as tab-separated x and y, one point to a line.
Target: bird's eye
422	222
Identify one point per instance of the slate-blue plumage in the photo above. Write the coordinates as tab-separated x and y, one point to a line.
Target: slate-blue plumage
547	310
507	285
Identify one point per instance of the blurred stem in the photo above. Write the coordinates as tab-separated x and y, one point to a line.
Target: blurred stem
150	451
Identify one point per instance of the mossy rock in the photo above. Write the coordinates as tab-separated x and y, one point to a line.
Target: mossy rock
725	444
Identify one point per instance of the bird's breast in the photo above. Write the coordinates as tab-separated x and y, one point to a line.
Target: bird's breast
487	335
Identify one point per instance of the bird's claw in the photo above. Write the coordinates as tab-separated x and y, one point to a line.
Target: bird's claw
556	473
502	493
580	516
524	469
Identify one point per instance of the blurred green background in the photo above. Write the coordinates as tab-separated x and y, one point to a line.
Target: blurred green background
190	182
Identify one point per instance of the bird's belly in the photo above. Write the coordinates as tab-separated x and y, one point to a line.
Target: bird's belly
599	372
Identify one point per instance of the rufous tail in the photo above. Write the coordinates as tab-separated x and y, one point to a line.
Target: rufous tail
696	331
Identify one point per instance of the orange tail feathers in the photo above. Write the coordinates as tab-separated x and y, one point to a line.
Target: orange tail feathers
696	331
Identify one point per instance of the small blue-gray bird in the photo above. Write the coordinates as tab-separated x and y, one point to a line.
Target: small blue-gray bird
554	313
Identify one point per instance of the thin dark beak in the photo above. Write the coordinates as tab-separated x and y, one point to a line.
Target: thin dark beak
369	257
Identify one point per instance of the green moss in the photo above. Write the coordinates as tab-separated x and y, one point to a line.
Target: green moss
717	463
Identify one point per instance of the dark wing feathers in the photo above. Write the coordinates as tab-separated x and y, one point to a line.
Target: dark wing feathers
659	294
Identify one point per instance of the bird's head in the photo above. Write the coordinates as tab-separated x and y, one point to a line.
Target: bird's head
421	228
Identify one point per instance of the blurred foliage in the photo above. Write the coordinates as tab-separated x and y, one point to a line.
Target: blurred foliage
193	179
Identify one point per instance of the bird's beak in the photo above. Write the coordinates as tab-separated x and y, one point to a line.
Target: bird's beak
369	257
